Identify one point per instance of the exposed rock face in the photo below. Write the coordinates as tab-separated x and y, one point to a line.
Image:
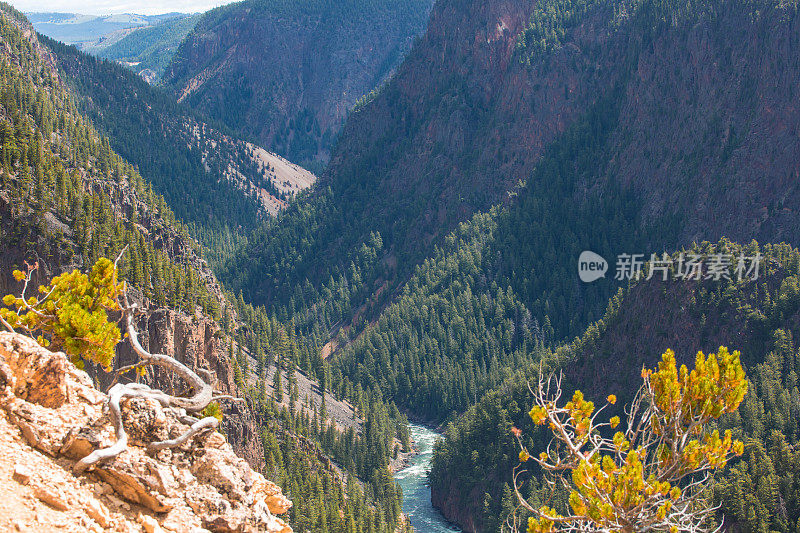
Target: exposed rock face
201	485
459	124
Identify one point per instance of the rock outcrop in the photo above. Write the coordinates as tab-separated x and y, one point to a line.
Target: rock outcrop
51	415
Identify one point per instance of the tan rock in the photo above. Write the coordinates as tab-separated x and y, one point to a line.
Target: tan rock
278	526
51	497
40	375
22	474
220	470
166	482
93	396
133	487
42	427
97	512
48	385
215	440
271	494
145	420
181	519
199	486
150	524
7	379
222	523
117	502
79	444
205	500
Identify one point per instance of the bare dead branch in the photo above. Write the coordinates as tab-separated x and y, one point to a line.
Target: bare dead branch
206	424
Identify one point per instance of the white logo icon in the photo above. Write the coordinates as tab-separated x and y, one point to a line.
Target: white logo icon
591	266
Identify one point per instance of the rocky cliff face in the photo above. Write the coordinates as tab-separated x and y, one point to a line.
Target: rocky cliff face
705	134
288	74
461	123
51	415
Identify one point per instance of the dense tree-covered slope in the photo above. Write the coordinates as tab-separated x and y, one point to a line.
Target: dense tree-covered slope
67	198
286	73
632	129
397	184
759	318
502	283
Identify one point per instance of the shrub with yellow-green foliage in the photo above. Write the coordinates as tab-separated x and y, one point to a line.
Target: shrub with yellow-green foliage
651	476
213	409
71	313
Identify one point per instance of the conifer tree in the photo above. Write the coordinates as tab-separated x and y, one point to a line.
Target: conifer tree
652	475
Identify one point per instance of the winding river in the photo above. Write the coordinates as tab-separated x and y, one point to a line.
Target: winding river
414	481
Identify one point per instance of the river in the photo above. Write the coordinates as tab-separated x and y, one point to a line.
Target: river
414	481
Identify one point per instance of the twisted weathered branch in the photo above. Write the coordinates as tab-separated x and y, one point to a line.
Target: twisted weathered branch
115	395
203	393
205	424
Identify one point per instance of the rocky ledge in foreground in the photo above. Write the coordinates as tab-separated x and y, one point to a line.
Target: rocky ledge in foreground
51	416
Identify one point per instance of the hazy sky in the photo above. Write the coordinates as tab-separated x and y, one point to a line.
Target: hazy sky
106	7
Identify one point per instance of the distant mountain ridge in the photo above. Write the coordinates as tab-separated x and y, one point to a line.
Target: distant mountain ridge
87	30
149	50
144	43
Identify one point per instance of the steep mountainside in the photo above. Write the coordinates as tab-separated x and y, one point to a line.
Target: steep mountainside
477	101
287	73
214	181
67	199
462	122
760	318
